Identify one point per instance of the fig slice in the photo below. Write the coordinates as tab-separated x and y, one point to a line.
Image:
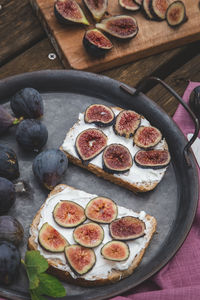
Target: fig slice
68	214
154	159
127	228
176	14
146	9
99	114
96	43
88	235
158	9
69	12
139	2
50	239
126	123
123	27
89	143
117	159
116	251
147	137
129	5
97	8
80	259
101	210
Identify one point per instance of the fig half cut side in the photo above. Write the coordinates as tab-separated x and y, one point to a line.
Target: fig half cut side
127	228
99	114
68	214
154	159
80	259
96	43
69	12
158	9
129	5
89	143
89	235
50	239
97	8
126	123
117	159
176	14
115	250
123	27
101	210
147	137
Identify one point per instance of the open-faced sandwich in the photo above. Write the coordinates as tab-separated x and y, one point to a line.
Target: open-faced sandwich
87	239
118	145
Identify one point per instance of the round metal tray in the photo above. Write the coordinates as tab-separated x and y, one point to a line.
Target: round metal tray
173	202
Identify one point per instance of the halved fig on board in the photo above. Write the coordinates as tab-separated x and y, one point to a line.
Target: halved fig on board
126	123
89	143
99	114
69	12
115	250
158	9
117	159
154	159
96	43
176	14
68	214
50	239
127	228
80	259
123	27
129	5
146	9
101	210
97	8
89	235
147	137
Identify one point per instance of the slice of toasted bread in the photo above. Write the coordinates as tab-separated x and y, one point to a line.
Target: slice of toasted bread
104	271
136	179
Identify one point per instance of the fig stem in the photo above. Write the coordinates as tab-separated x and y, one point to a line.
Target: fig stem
17	121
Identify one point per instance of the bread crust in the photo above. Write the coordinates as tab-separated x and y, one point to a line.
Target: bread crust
134	187
114	276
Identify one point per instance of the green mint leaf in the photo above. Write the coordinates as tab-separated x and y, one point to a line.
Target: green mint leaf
33	280
50	286
35	262
36	296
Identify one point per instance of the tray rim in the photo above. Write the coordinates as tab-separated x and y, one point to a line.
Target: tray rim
26	77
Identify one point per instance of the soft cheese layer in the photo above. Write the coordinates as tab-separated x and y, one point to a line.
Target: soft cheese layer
102	267
135	174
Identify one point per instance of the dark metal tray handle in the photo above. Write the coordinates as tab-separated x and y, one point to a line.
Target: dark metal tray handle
139	88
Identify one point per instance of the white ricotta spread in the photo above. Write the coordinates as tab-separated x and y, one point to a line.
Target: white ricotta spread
135	174
103	267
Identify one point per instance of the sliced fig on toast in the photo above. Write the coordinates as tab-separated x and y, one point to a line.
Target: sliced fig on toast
50	239
146	9
99	114
89	143
116	251
68	214
158	9
129	5
117	159
101	210
123	27
69	12
89	235
147	137
126	123
176	14
80	259
154	159
127	228
97	8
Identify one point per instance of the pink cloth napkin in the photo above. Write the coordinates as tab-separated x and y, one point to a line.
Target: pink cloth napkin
180	278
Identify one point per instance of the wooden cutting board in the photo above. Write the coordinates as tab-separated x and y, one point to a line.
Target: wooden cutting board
153	37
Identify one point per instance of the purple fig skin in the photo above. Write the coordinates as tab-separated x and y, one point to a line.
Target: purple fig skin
6	120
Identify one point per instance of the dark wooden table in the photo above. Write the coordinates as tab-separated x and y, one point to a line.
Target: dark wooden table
24	47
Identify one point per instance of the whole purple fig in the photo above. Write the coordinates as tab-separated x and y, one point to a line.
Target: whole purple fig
6	120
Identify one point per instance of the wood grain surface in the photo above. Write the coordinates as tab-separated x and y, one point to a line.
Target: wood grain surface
153	37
